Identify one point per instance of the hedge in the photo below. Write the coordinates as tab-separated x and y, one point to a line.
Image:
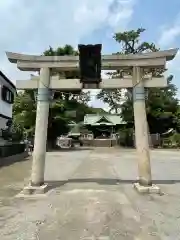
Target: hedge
11	149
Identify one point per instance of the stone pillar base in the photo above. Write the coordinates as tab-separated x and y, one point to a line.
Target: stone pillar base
33	191
147	189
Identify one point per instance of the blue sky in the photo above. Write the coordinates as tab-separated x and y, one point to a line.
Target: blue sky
31	26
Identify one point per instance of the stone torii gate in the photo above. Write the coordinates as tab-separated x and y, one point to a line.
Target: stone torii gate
138	64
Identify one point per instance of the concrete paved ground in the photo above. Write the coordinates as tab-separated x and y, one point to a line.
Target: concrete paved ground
91	197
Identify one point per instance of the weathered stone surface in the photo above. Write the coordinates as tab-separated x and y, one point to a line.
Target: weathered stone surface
33	190
92	197
147	189
5	161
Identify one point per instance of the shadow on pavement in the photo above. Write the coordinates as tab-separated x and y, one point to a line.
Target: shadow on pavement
7	161
103	181
70	149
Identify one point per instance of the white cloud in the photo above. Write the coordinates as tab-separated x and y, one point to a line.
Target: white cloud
31	26
174	68
121	14
169	33
168	37
175	63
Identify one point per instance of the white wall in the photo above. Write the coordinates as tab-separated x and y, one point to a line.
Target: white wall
5	108
2	124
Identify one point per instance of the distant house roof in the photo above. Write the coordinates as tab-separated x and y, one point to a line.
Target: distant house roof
7	80
106	119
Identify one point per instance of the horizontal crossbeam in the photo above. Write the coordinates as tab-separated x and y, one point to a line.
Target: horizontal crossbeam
109	62
74	84
168	54
106	64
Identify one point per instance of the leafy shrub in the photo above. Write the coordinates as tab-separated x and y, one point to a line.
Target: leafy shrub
126	137
175	139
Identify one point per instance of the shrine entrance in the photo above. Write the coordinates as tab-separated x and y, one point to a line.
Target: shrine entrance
135	68
103	129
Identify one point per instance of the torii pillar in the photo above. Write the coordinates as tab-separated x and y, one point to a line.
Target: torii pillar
42	113
141	133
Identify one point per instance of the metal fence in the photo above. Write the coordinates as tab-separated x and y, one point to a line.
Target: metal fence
154	140
129	140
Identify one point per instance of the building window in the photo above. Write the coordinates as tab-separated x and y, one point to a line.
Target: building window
7	95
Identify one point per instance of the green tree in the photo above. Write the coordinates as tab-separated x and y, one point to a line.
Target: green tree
129	44
24	108
80	96
161	104
66	102
112	97
24	112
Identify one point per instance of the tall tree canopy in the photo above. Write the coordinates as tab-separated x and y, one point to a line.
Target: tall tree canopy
70	95
162	104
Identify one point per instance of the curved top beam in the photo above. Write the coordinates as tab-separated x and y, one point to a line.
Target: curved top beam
168	54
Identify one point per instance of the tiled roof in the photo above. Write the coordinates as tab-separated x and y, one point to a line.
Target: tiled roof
94	119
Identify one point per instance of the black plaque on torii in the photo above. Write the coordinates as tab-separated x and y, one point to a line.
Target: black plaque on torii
90	63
